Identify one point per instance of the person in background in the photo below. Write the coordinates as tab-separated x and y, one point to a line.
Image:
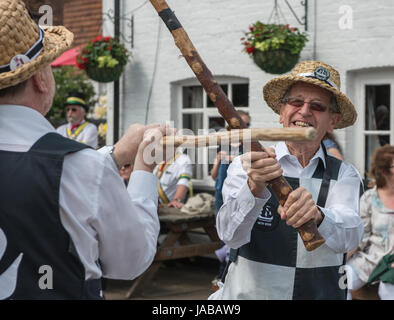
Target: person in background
332	146
377	214
77	128
219	174
222	162
174	179
125	173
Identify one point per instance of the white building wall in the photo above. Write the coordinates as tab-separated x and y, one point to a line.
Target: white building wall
215	28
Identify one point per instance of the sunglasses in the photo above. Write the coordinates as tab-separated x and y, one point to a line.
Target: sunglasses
298	103
71	109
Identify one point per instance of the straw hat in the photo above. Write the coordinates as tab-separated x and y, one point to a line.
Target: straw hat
319	74
25	47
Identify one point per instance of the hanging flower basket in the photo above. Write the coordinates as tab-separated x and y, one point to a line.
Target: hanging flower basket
104	74
103	59
275	61
275	48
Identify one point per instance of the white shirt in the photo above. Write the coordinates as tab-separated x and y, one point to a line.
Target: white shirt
341	227
172	176
88	135
105	220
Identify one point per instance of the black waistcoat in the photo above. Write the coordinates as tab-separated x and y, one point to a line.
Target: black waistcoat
39	252
287	270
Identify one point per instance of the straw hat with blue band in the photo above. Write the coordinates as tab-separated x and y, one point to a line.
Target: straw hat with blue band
25	47
319	74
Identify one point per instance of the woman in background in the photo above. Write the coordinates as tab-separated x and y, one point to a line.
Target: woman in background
377	213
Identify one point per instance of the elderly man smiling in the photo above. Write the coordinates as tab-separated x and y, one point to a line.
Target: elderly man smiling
268	258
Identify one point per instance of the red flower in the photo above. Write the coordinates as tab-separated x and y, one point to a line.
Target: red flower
107	39
109	48
249	49
287	26
98	38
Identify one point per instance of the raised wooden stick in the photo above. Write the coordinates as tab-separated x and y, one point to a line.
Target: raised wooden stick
309	234
240	135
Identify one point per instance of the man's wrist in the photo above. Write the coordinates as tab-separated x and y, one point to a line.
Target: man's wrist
320	216
112	154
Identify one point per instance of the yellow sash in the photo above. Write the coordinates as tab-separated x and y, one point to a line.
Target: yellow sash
159	174
74	135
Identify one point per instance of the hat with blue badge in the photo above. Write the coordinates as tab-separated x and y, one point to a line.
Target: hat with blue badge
319	74
26	47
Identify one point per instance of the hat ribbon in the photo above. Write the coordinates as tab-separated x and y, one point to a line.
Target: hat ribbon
32	53
312	75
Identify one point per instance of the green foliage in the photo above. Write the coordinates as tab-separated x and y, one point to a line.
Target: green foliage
69	78
266	37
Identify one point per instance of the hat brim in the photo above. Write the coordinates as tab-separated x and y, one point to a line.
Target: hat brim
275	90
57	39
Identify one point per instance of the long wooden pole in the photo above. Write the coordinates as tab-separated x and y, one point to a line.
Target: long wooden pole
309	234
240	135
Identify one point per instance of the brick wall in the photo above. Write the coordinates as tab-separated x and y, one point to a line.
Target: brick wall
84	18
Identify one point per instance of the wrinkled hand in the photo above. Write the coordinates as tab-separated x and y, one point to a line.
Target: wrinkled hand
175	204
150	151
126	148
299	208
261	167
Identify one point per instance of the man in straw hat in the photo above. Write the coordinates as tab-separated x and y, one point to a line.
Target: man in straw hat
269	260
77	127
66	217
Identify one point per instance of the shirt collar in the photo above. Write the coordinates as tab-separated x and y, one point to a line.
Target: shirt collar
21	125
282	151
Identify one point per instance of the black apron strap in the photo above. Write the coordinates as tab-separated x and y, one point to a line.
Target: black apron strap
325	186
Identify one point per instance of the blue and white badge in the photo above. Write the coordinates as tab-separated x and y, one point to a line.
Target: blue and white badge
322	73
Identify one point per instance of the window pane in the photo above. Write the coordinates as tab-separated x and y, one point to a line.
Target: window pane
371	143
192	97
241	95
216	123
377	107
210	104
192	122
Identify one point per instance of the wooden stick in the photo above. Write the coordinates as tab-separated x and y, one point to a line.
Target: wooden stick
240	135
281	188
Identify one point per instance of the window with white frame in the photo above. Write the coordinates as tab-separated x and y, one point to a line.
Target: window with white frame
377	119
199	114
373	92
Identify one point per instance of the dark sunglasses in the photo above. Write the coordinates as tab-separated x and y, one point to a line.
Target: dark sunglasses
71	109
298	103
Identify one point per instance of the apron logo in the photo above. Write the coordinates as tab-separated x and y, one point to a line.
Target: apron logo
8	277
266	217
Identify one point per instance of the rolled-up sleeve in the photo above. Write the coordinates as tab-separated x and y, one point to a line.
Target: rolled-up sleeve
342	226
127	225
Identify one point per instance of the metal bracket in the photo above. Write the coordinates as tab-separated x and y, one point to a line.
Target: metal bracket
304	23
110	16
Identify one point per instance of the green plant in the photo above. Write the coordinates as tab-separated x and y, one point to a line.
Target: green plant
266	37
69	78
104	53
